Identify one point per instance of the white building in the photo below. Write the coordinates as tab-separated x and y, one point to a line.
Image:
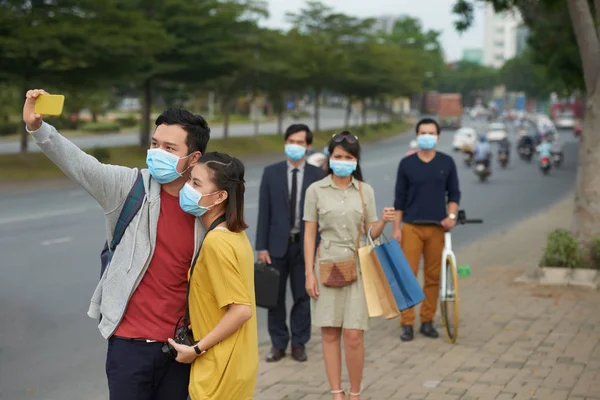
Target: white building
500	42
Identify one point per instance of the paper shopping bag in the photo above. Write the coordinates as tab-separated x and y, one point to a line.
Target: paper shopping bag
400	277
380	299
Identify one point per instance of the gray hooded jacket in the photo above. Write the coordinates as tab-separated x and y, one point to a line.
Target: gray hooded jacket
109	185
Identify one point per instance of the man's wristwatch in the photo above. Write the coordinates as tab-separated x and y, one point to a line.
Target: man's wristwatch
198	350
452	216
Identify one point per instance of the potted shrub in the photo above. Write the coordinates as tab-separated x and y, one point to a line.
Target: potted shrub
560	256
586	274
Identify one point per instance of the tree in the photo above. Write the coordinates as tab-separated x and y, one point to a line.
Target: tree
318	31
423	47
469	79
585	19
523	74
79	42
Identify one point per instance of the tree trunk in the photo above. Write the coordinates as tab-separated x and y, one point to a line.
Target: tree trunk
280	122
586	221
226	110
379	107
94	116
586	218
146	112
364	112
348	113
317	109
24	133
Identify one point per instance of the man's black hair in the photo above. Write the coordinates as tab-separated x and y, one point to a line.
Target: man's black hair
195	126
427	121
295	128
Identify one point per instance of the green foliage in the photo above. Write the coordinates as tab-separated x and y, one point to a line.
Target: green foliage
469	79
551	39
9	128
562	250
127	122
62	122
101	154
101	127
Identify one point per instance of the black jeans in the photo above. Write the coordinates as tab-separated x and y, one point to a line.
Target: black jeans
292	265
137	370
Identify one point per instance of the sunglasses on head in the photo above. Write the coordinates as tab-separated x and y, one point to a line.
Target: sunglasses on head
340	137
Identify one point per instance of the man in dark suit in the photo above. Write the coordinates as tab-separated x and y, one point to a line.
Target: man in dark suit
280	239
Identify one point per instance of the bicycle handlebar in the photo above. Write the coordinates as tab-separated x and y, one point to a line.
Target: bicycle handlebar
459	221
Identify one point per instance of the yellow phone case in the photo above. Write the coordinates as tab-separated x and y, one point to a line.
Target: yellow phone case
49	104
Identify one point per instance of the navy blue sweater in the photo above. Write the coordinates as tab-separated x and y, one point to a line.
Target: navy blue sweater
424	189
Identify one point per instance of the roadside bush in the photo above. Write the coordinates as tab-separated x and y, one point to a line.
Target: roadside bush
101	127
101	154
562	250
127	121
62	123
9	128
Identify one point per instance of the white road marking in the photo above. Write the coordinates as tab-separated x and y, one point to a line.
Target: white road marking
56	241
50	214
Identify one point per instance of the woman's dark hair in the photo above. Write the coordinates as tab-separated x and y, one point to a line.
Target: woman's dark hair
348	142
228	175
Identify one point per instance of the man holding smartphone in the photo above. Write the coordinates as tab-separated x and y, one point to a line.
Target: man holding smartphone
142	293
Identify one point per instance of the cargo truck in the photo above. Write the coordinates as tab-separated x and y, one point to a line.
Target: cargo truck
450	110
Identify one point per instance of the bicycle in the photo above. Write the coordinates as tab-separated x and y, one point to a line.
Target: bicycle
449	277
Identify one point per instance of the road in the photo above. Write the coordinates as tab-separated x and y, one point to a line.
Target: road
50	241
330	118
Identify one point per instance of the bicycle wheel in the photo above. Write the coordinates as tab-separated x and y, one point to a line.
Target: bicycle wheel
449	301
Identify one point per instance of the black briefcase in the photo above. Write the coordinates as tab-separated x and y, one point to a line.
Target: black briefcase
266	285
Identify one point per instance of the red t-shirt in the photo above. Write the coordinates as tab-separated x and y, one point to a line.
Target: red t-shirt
159	300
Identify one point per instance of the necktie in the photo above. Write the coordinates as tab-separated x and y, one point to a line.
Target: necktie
293	196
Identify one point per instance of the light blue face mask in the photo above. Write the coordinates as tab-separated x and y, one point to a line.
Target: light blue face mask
189	200
342	168
427	141
163	165
295	152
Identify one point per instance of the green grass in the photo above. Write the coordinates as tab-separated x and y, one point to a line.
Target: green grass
35	166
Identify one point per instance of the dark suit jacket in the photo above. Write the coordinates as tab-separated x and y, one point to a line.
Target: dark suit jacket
274	225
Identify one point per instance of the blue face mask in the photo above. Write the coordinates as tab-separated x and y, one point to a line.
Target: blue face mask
427	141
295	152
189	199
163	165
342	168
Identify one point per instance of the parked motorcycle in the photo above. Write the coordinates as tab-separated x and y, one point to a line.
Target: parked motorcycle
319	160
545	165
481	171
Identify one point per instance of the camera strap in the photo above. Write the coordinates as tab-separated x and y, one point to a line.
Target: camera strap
186	318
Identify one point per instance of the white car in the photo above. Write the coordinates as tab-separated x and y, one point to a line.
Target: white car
464	137
496	132
565	122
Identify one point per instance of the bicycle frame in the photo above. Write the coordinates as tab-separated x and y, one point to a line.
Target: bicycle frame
447	252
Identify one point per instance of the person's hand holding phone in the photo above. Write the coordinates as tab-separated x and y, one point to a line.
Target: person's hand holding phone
32	120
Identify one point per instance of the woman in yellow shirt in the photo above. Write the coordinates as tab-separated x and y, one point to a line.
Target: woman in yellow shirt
221	300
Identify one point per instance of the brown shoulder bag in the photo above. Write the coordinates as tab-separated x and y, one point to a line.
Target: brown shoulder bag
343	273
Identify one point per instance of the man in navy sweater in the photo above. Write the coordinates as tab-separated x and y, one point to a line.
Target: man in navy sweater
426	189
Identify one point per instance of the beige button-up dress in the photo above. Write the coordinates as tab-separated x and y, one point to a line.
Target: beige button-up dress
338	213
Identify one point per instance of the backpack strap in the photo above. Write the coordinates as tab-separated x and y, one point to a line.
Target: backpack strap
132	205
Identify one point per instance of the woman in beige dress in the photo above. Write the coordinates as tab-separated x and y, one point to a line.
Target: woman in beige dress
334	205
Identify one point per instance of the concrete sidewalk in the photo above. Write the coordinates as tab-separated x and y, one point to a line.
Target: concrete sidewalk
515	341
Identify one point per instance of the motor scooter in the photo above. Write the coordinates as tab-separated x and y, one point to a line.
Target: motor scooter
545	165
481	171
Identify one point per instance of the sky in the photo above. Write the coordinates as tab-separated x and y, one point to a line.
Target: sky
434	14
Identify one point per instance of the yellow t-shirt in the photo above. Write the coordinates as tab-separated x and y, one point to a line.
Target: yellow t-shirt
223	275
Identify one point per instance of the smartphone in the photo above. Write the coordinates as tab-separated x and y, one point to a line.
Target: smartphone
49	104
